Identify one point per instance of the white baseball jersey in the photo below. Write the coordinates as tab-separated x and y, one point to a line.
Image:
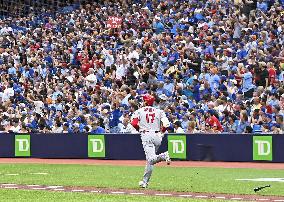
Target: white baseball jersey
149	118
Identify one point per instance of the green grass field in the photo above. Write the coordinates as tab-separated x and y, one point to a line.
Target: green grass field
217	180
23	195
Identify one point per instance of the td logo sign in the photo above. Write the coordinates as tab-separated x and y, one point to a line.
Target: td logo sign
22	145
262	148
96	146
177	146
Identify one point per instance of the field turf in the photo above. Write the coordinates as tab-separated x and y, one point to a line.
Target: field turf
31	196
209	180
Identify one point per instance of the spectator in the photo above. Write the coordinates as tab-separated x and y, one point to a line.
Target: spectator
247	83
126	127
57	128
158	25
178	128
242	123
192	128
96	129
59	73
15	128
213	121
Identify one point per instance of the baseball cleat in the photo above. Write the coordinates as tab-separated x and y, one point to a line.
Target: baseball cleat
167	157
143	184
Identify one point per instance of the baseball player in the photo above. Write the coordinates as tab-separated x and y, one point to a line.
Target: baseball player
151	123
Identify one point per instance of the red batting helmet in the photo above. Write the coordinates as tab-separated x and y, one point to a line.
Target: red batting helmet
149	99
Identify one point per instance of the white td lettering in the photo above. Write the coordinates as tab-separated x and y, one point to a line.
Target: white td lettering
261	149
178	146
23	145
97	145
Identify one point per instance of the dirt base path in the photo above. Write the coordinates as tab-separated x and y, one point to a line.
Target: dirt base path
257	165
142	192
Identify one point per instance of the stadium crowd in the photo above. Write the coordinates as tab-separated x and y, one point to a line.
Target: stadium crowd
214	66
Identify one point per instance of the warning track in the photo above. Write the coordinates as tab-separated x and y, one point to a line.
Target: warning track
142	163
